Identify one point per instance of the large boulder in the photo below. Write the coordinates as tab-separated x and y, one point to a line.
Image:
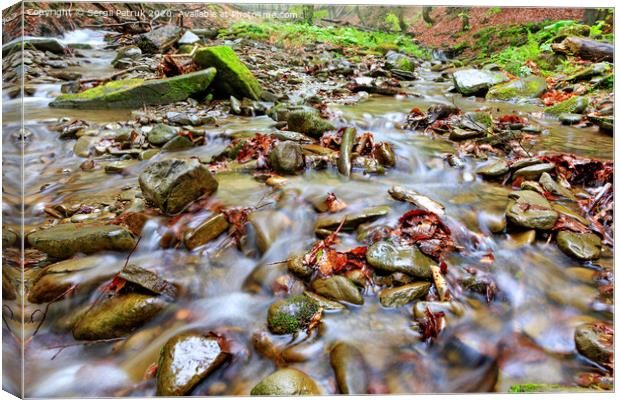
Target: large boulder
529	88
136	92
286	382
117	316
185	360
528	209
173	184
475	81
233	77
65	240
159	39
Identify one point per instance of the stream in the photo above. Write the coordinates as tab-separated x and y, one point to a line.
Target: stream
525	335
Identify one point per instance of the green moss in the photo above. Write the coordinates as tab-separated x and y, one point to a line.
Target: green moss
291	315
543	387
530	87
133	93
233	78
574	105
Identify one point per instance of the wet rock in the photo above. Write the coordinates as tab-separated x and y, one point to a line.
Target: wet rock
188	37
136	92
440	111
530	210
494	169
325	303
160	134
595	341
605	123
298	267
117	316
83	146
293	136
178	143
338	288
458	134
267	226
287	158
574	105
66	240
291	315
346	149
148	280
39	43
419	309
534	171
286	382
233	77
530	87
551	186
173	184
125	53
474	81
419	200
235	106
350	368
398	61
368	165
582	246
351	220
479	121
8	288
186	359
524	162
9	238
401	295
521	239
384	154
570	119
159	39
209	230
390	257
179	118
309	123
56	279
589	72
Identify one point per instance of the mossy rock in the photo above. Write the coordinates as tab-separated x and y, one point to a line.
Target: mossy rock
528	209
117	316
389	257
338	288
308	122
475	82
136	92
291	315
531	87
233	77
402	295
286	382
582	246
543	387
65	240
574	105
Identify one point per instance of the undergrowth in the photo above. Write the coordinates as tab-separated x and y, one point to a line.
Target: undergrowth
299	34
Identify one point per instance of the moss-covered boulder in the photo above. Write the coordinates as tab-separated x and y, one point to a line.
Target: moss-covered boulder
529	88
117	316
173	184
574	105
233	77
291	315
286	382
338	288
471	82
528	209
402	295
389	257
350	368
394	60
185	360
65	240
136	92
582	246
309	123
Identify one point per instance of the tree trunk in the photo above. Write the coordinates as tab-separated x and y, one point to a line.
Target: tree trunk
426	15
585	48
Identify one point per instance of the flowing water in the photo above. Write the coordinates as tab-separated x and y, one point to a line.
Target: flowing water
525	335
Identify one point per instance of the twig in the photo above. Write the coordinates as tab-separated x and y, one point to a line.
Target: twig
47	306
85	343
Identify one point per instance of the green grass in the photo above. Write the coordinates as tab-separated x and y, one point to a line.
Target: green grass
299	34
